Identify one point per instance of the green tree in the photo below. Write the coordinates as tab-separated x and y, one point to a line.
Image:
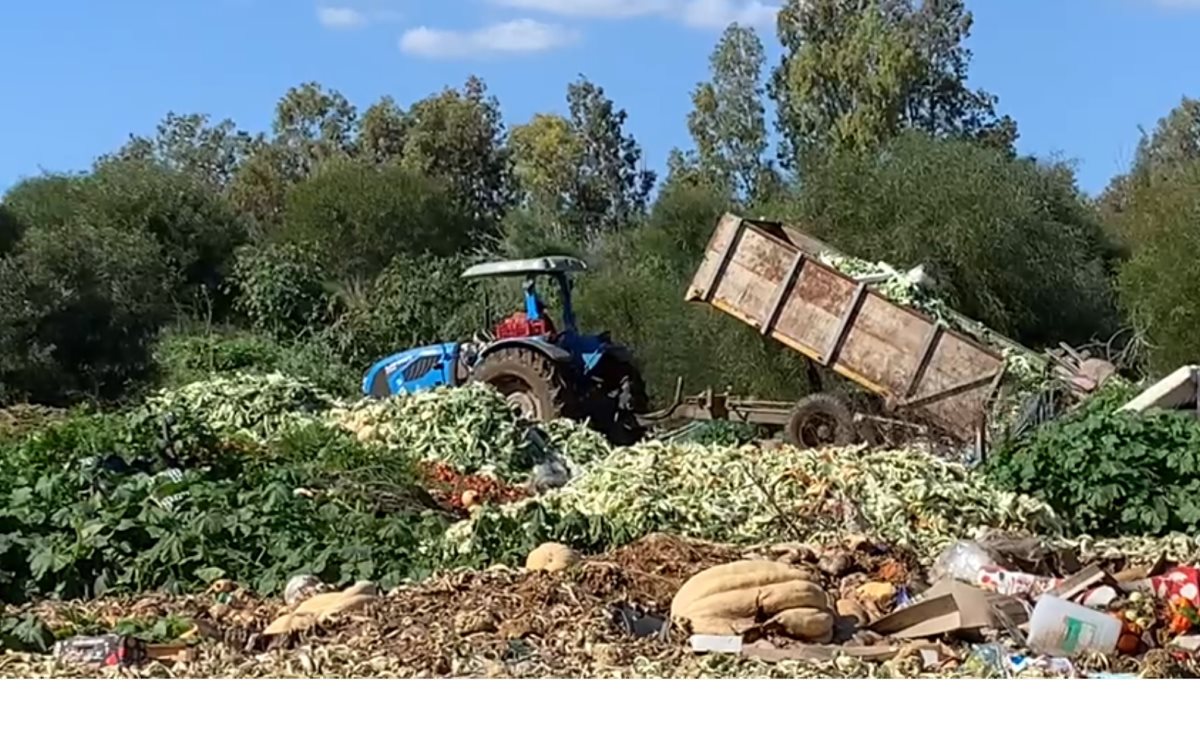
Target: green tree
459	136
382	132
195	228
364	215
79	307
1010	242
10	230
728	119
190	144
1160	224
260	186
312	126
613	186
547	156
857	72
1171	147
281	287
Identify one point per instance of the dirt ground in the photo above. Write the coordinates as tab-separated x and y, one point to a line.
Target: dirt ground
495	623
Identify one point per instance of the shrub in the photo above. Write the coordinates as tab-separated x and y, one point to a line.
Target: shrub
1111	473
79	308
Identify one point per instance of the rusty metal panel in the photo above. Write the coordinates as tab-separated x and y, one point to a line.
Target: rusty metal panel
882	342
810	315
892	350
720	245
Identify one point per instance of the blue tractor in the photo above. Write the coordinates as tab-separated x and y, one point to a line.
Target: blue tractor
543	370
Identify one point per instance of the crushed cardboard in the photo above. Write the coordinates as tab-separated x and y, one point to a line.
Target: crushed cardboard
951	607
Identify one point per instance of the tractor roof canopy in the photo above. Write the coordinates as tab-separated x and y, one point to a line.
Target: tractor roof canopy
526	267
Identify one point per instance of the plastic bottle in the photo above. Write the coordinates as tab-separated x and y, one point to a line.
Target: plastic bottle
1062	628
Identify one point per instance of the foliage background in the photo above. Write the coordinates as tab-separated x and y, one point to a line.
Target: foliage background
337	236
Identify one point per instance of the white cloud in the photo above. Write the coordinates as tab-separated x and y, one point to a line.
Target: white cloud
718	14
709	14
341	18
524	36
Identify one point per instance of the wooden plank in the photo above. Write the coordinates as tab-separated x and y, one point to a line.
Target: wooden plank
839	335
923	360
882	343
781	294
714	281
941	393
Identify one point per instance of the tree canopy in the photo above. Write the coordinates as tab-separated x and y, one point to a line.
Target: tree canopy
338	234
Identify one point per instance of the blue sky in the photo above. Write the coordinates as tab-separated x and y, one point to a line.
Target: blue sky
78	76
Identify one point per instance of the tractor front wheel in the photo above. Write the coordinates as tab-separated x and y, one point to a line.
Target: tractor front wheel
531	383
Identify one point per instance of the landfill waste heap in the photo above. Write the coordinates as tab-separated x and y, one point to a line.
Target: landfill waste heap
522	551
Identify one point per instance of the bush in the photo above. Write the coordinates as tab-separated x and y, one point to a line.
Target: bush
280	287
417	300
362	216
184	357
195	229
1111	473
79	308
1161	227
69	528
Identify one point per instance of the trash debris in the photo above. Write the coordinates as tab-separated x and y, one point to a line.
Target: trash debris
108	650
949	607
635	621
319	608
715	643
1062	628
301	587
962	561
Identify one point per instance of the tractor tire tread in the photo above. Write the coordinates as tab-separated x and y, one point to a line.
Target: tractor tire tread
535	369
829	405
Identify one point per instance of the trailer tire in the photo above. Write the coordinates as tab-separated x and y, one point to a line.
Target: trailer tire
819	420
531	382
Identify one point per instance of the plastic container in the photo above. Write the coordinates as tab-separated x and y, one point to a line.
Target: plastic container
1064	629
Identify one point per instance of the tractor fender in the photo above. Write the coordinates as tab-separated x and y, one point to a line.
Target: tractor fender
549	350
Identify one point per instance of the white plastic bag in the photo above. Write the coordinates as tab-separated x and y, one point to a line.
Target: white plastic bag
962	561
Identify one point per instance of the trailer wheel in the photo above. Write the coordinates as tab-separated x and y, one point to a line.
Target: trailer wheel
819	420
530	382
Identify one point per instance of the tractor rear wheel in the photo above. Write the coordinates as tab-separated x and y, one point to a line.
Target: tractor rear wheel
819	420
617	398
530	382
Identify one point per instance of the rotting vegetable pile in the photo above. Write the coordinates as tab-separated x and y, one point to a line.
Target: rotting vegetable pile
250	480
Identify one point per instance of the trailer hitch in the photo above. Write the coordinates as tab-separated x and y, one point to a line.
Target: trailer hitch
651	418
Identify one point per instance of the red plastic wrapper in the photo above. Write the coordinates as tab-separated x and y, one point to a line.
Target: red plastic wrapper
1182	582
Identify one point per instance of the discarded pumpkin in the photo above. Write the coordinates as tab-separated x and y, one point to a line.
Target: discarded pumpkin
737	576
552	557
813	625
736	598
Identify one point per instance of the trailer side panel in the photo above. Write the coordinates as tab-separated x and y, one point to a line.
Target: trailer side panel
768	276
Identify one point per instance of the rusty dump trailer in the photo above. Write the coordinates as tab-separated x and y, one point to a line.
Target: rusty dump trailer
769	276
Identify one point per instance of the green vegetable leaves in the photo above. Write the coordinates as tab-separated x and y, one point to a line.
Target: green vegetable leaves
1111	473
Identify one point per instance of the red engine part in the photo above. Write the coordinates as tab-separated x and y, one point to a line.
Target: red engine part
518	325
